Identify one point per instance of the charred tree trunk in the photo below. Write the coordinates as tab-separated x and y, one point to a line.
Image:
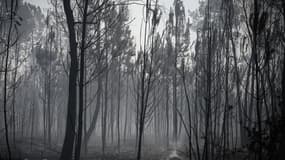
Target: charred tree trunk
208	86
282	145
67	149
142	89
255	56
81	83
6	77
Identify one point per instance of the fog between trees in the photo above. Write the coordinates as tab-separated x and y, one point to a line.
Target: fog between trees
205	84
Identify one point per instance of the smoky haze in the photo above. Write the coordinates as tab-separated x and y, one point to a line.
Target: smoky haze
142	79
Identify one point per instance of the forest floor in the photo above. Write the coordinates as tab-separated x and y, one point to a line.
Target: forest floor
25	150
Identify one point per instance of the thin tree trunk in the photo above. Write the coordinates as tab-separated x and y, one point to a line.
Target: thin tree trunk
85	111
32	127
44	108
49	96
255	54
14	93
112	113
174	107
96	113
81	83
282	145
5	79
142	89
188	110
127	109
99	91
226	111
167	114
137	113
208	96
105	109
119	107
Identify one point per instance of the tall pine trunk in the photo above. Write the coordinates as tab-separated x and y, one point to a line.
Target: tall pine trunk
81	83
67	149
6	77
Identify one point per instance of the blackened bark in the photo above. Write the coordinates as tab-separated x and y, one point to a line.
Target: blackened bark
67	149
142	90
282	145
81	83
208	97
283	73
5	79
255	55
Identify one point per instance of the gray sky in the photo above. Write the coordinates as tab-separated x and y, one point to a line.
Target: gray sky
136	12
